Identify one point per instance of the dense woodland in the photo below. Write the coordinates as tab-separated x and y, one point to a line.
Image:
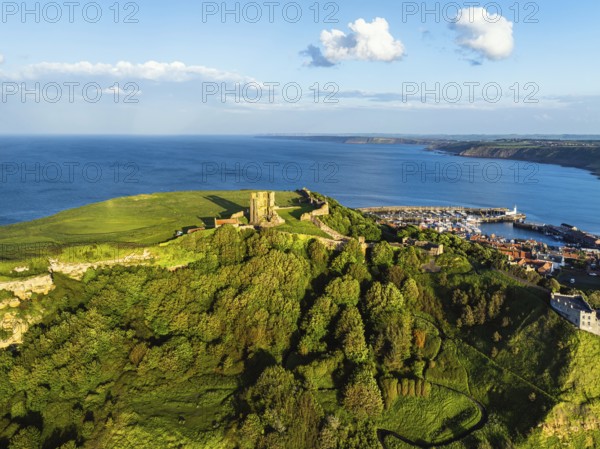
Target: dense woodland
270	340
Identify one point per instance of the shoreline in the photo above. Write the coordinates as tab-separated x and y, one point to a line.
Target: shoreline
488	149
593	171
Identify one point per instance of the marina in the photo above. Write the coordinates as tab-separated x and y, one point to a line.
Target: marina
459	220
468	221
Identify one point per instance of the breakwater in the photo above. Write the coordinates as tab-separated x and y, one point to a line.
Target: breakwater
452	213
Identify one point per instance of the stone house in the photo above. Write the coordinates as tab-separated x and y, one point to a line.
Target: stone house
576	310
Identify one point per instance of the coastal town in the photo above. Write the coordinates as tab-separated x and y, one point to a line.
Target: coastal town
574	259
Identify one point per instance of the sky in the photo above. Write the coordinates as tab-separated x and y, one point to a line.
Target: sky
227	67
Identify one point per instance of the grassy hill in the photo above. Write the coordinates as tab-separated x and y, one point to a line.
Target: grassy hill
144	219
264	339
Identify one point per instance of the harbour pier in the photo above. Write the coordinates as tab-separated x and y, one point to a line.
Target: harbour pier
451	213
564	232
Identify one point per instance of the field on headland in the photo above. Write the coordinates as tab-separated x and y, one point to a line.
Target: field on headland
143	219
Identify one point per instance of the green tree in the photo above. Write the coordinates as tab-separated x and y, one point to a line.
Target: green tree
382	300
496	337
460	298
396	275
389	390
27	438
228	245
359	272
362	396
410	291
551	284
318	255
316	325
350	332
394	340
344	291
594	299
341	262
468	317
292	413
382	254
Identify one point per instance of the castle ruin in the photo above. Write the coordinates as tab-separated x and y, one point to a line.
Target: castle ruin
263	211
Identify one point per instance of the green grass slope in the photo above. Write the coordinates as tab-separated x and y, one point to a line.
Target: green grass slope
144	219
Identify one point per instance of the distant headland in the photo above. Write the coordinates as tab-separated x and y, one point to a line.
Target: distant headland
566	150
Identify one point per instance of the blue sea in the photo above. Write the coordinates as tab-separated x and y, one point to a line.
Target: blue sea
40	176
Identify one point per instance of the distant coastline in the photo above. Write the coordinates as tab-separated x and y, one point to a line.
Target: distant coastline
577	154
567	152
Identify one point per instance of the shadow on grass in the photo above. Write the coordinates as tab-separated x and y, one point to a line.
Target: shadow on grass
301	210
229	206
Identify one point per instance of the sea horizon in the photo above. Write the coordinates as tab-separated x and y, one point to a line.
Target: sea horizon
404	174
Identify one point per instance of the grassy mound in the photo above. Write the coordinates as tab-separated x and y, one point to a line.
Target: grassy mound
443	415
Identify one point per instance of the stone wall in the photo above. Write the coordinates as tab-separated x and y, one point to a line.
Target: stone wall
323	210
341	240
326	229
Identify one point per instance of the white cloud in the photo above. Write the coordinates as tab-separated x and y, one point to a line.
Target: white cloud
367	41
489	35
130	92
151	70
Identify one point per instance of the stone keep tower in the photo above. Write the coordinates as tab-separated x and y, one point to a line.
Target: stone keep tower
262	208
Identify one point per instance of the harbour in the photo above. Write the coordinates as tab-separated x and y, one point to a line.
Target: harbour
565	232
451	213
467	221
459	220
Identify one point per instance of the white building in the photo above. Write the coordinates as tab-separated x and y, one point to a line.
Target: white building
557	260
576	310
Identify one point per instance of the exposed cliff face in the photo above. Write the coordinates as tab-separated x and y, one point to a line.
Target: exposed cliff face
16	327
23	289
77	270
13	324
10	303
584	155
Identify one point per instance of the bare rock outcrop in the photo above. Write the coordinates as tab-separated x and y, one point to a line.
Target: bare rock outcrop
77	270
15	326
24	288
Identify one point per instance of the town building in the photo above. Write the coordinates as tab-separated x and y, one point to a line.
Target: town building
556	259
227	221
